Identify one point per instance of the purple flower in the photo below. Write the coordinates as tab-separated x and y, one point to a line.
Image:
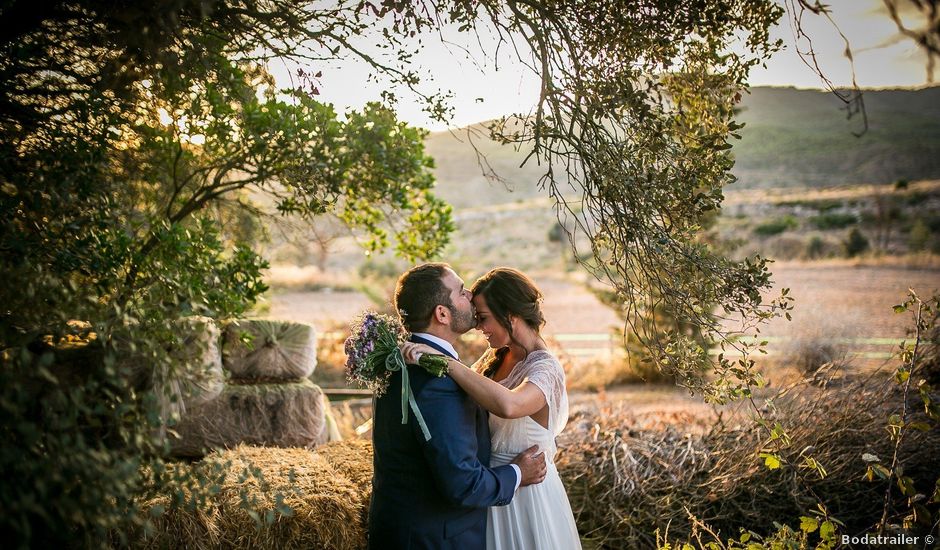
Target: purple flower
367	347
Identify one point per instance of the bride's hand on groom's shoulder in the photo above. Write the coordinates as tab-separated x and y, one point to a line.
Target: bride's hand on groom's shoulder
531	463
413	351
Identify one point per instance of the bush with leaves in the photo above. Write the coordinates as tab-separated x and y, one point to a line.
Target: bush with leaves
856	243
132	142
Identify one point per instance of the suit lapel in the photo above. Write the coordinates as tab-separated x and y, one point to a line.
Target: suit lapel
420	340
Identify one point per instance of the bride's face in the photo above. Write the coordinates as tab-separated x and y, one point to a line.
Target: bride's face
496	335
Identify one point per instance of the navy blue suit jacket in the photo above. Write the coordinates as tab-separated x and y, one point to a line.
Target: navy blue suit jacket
433	494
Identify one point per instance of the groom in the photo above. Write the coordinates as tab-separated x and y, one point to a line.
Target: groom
434	494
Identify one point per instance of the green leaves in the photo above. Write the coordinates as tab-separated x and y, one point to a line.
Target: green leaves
808	524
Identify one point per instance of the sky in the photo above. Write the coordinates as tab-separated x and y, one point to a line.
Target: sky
484	89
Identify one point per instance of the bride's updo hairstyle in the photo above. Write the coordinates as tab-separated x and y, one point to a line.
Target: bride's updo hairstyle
508	291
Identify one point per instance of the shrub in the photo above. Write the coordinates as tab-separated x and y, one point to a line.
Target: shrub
815	247
822	205
785	247
557	233
919	236
856	243
777	226
833	220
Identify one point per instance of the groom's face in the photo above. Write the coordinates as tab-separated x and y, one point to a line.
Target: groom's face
463	317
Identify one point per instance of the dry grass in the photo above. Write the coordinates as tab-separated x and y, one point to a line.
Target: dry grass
817	342
615	369
625	484
595	374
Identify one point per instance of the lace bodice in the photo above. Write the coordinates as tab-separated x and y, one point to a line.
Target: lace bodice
512	436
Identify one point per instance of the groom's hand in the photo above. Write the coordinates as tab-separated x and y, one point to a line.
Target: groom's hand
531	463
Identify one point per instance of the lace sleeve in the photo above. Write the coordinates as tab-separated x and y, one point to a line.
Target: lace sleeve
547	375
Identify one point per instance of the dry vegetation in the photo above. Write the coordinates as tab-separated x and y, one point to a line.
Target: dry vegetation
625	483
631	475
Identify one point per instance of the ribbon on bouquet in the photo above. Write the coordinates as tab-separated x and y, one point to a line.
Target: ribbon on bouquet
396	361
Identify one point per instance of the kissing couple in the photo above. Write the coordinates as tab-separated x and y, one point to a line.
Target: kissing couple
486	478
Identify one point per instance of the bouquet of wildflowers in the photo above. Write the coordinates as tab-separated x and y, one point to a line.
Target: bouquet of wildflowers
372	355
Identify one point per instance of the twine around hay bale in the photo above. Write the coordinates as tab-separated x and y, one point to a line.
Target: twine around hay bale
279	415
276	350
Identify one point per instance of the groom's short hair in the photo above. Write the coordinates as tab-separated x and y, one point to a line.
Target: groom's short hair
418	292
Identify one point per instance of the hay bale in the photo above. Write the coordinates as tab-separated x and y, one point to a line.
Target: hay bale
177	527
277	350
276	415
353	459
250	507
326	507
178	507
195	374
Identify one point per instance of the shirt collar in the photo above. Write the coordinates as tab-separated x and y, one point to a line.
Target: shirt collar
439	341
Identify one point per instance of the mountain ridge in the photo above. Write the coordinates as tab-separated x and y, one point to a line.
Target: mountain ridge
791	138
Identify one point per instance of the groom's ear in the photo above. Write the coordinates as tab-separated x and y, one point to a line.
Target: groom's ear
441	314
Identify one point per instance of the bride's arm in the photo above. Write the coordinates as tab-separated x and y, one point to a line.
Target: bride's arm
524	400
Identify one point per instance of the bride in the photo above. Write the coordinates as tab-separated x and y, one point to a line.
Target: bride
523	385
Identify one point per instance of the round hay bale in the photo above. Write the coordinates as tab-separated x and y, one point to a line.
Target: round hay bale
274	350
326	509
276	415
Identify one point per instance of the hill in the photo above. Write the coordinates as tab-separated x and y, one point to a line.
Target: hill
804	138
791	138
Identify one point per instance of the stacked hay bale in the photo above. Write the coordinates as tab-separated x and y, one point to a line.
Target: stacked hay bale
268	399
196	376
267	498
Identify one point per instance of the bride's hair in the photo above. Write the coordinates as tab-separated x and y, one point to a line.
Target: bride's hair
508	292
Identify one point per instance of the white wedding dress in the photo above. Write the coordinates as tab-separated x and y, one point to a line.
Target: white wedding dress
539	516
